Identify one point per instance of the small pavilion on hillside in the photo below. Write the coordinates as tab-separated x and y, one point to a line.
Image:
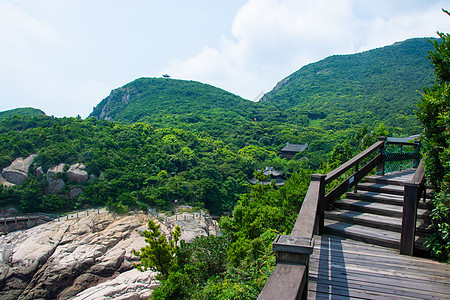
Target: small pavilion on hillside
290	150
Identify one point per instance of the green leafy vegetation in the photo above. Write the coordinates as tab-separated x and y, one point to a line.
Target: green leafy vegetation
342	91
321	104
434	115
159	254
237	264
132	164
24	111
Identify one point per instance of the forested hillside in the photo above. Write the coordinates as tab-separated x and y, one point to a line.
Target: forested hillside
380	85
25	111
322	104
130	164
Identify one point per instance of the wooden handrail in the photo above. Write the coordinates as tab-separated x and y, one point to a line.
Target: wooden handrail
306	223
412	192
352	162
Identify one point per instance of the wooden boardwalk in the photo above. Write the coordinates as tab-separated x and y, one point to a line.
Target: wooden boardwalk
342	269
353	250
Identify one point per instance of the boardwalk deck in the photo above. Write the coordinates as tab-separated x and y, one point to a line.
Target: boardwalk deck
342	268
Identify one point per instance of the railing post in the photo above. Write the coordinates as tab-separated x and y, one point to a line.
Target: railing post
416	159
318	228
294	250
410	202
380	167
355	188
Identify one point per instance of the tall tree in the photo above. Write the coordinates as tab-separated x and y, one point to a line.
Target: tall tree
434	114
158	254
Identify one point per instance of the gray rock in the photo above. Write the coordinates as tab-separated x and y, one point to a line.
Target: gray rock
77	172
17	172
55	185
40	173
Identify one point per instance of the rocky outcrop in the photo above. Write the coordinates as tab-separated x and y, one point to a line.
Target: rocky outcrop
86	257
17	172
55	184
77	172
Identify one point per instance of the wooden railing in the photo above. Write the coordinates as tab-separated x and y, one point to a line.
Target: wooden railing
289	279
413	191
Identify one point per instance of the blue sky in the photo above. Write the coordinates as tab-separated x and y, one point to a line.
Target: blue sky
65	56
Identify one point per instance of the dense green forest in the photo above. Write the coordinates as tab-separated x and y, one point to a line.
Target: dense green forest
339	91
25	111
130	163
321	104
161	141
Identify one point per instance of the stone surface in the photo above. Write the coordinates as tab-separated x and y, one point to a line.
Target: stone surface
40	173
17	172
54	184
88	257
77	172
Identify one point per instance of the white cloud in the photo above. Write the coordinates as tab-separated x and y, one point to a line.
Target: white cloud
272	38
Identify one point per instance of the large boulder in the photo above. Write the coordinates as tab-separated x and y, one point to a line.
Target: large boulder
54	184
77	172
17	172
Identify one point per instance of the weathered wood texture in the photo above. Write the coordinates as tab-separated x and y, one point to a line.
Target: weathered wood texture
413	191
287	281
342	269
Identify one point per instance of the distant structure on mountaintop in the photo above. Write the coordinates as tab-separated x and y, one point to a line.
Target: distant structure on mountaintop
290	150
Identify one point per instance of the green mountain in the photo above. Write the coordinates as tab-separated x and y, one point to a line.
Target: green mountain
196	107
25	111
321	104
149	99
380	85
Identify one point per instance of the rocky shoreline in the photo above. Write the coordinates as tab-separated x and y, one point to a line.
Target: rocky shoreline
88	257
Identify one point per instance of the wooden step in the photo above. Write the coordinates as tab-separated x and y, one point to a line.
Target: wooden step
378	208
362	233
384	180
376	221
392	179
369	235
381	188
386	198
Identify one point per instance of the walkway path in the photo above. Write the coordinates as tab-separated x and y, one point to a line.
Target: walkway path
343	268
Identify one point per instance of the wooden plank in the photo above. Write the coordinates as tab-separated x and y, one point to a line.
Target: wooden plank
306	220
349	249
376	288
366	219
352	162
403	285
383	188
381	270
365	234
365	263
286	282
347	245
392	260
353	293
409	218
351	181
378	208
